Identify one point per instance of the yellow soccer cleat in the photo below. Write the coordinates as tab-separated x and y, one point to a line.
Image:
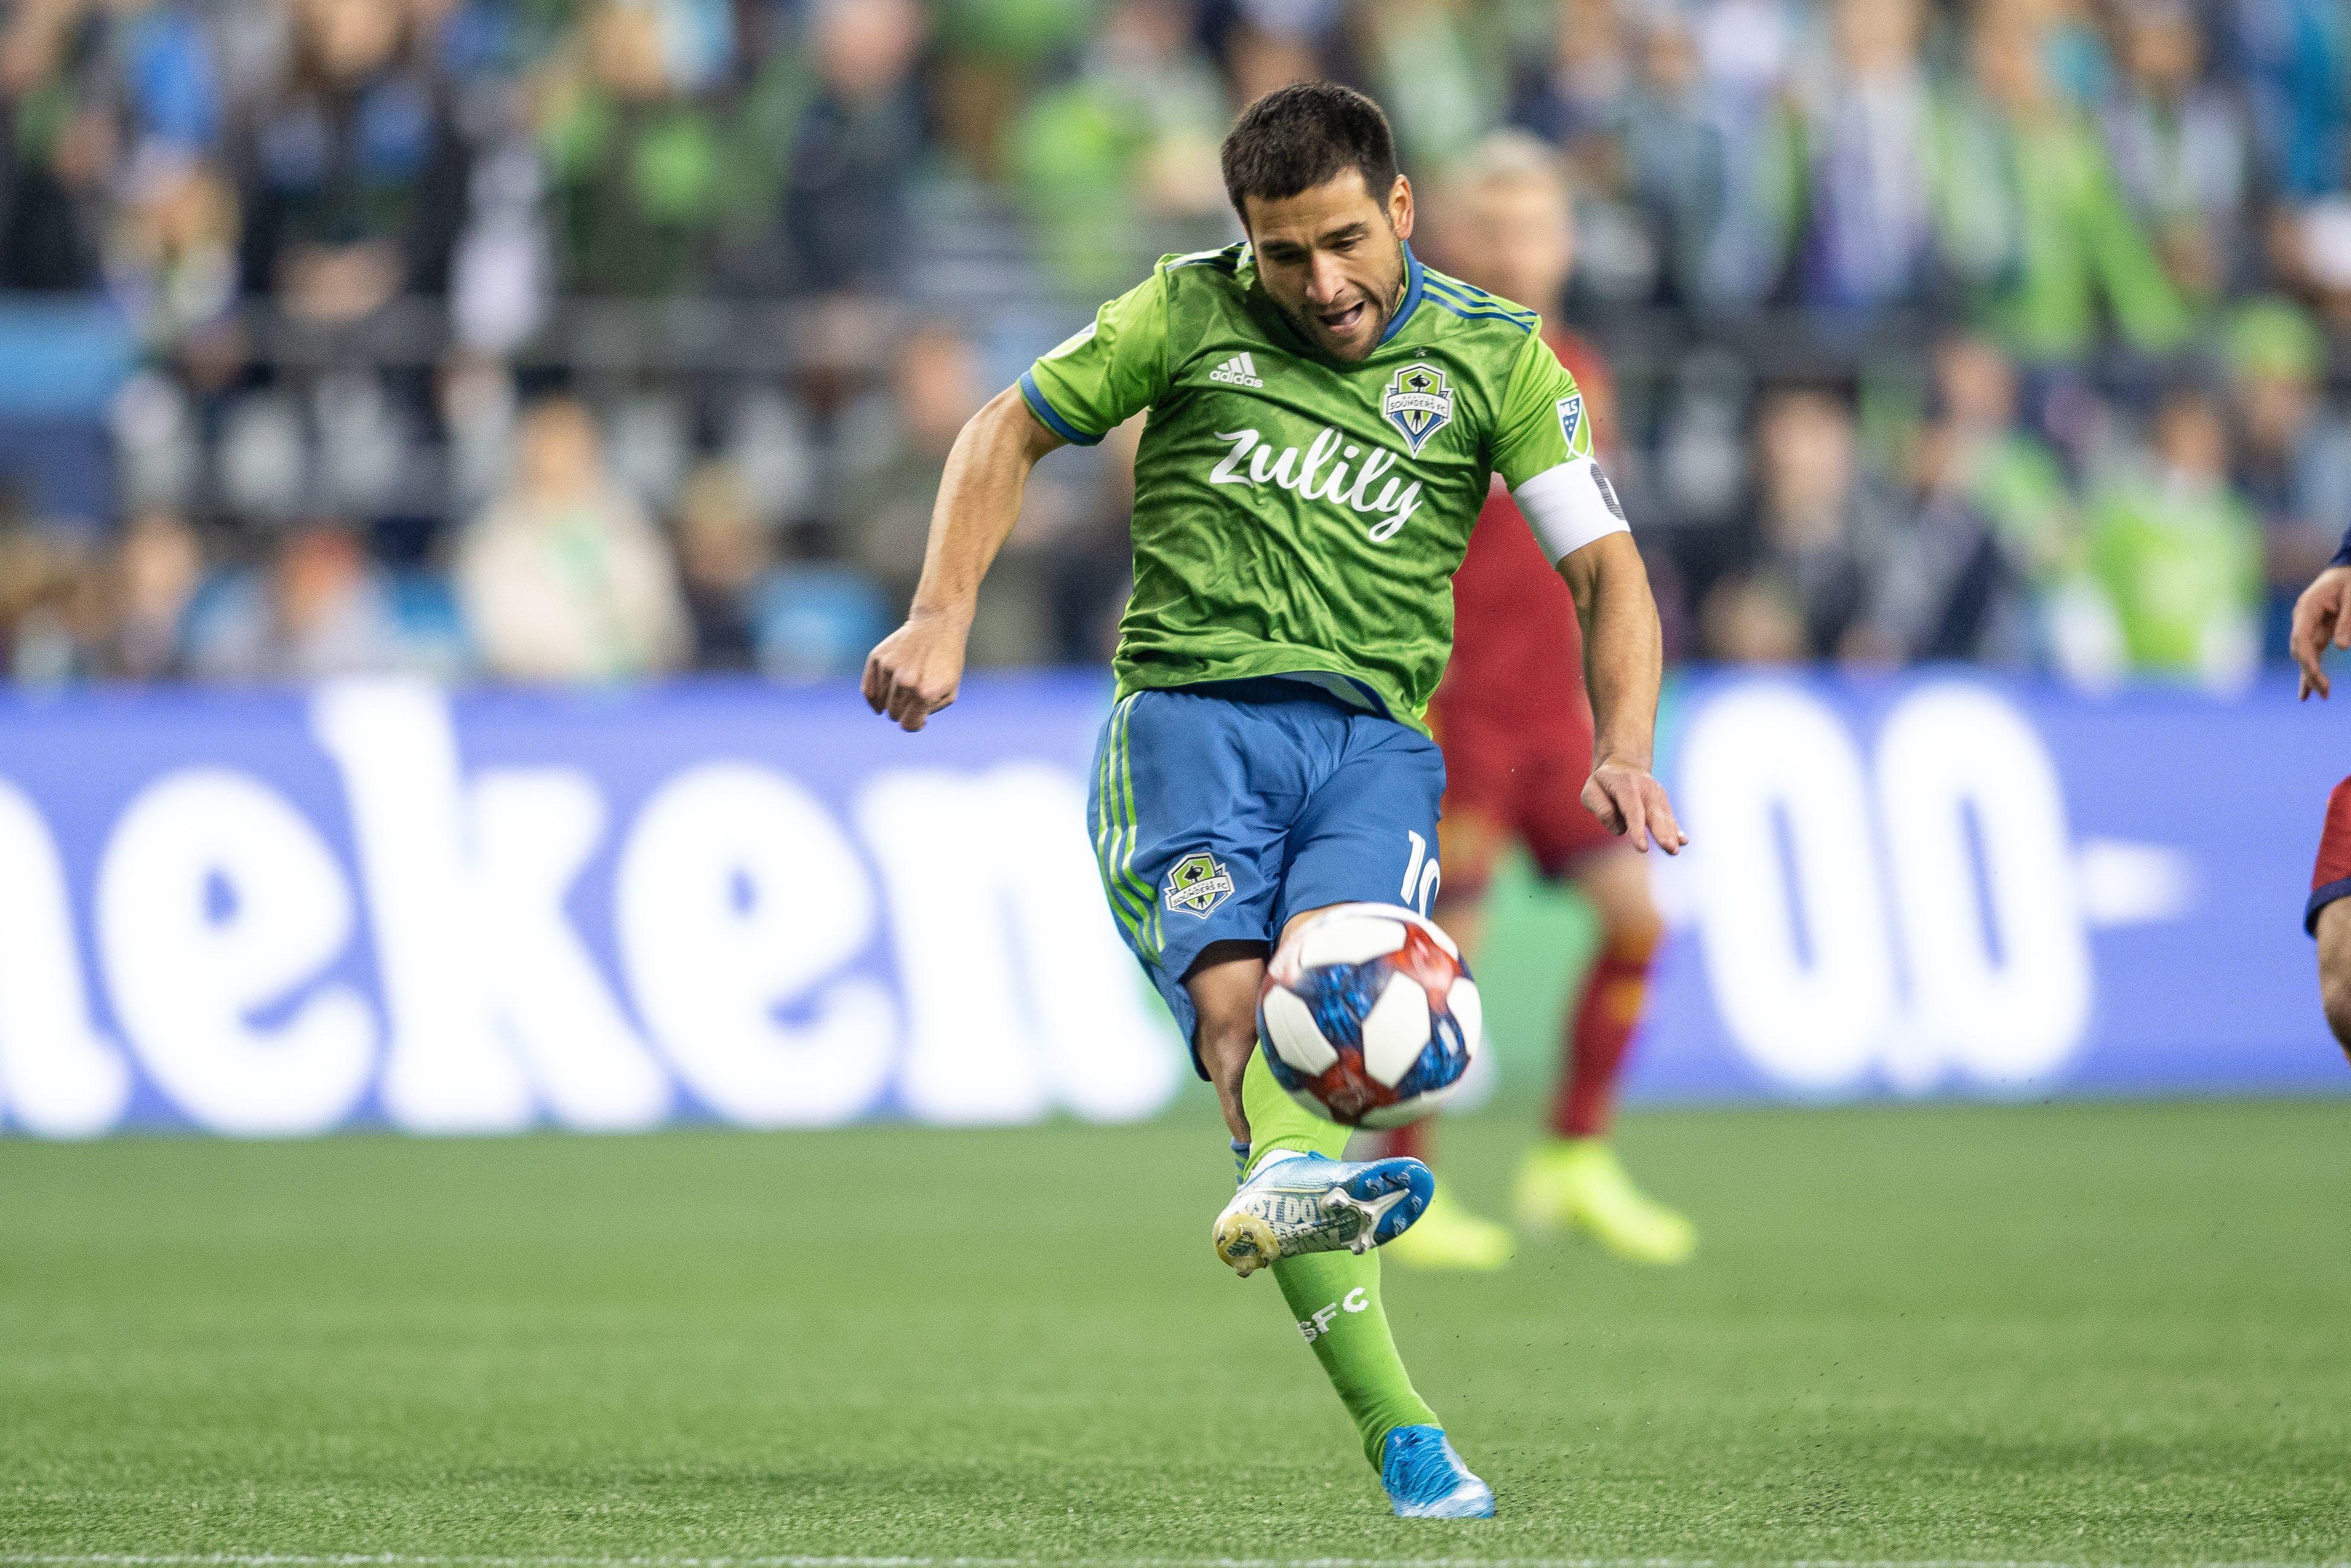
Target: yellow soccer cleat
1448	1236
1577	1184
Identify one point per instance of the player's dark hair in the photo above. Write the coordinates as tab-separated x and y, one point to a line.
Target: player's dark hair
1296	137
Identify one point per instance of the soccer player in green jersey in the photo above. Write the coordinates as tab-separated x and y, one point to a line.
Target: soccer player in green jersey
1326	417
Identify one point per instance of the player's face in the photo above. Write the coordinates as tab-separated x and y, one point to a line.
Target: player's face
1517	239
1333	258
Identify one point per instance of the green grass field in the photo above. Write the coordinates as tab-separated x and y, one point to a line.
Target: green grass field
2073	1334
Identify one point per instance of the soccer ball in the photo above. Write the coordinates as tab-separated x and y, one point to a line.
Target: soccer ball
1368	1016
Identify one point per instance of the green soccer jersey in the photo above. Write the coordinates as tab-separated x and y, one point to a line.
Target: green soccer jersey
1297	516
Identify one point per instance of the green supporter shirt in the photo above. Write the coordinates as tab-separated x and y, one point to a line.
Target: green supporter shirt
1298	515
2182	566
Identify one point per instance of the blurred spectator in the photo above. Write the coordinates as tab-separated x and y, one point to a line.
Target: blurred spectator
171	265
1755	621
938	386
854	148
894	476
2294	453
319	609
156	568
563	579
637	163
2177	553
818	620
1764	189
1872	157
1433	74
50	603
61	144
1718	165
1747	47
1979	449
2028	210
1820	534
1268	49
1576	101
2295	56
2315	247
722	557
1993	532
991	55
1119	164
2074	50
355	179
2180	148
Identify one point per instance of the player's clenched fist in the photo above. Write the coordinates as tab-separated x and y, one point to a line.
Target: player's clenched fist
1630	801
917	669
2320	618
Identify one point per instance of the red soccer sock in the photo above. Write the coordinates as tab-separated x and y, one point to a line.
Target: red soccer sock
1603	1028
1410	1142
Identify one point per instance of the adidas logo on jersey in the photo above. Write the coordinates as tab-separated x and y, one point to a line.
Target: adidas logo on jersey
1240	370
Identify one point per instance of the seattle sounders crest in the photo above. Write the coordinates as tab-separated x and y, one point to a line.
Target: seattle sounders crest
1418	403
1197	884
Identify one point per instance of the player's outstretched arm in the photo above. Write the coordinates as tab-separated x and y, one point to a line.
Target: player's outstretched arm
2321	616
917	669
1624	661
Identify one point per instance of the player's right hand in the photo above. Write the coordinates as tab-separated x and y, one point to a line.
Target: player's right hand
917	669
1631	803
2321	616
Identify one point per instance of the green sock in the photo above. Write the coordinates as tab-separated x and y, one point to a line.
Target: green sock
1334	1296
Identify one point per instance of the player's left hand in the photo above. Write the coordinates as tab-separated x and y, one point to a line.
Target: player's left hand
1630	801
2322	616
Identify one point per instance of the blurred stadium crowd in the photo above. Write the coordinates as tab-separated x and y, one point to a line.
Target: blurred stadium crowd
586	340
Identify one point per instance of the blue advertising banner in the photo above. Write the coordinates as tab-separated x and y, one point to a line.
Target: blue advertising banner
1944	883
379	905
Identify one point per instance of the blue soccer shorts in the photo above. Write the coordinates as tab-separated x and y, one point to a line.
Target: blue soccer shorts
1220	810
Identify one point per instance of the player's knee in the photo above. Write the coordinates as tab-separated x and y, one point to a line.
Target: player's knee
1630	926
1225	1044
1225	1035
1617	882
1468	844
1632	936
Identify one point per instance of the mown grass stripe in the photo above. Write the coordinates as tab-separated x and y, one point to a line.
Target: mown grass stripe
406	1560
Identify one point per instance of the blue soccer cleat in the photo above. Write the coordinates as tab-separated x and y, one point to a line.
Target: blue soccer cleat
1426	1479
1311	1203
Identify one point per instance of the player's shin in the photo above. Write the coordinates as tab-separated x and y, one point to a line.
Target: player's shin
1334	1297
1598	1037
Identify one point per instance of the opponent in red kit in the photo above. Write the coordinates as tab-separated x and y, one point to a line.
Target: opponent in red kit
2322	619
1517	735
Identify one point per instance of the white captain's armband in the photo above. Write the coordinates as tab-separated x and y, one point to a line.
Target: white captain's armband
1571	505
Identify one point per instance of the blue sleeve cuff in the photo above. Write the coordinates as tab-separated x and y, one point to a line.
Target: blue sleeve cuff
2320	897
1044	410
2343	553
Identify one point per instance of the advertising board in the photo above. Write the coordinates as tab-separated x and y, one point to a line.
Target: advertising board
378	905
